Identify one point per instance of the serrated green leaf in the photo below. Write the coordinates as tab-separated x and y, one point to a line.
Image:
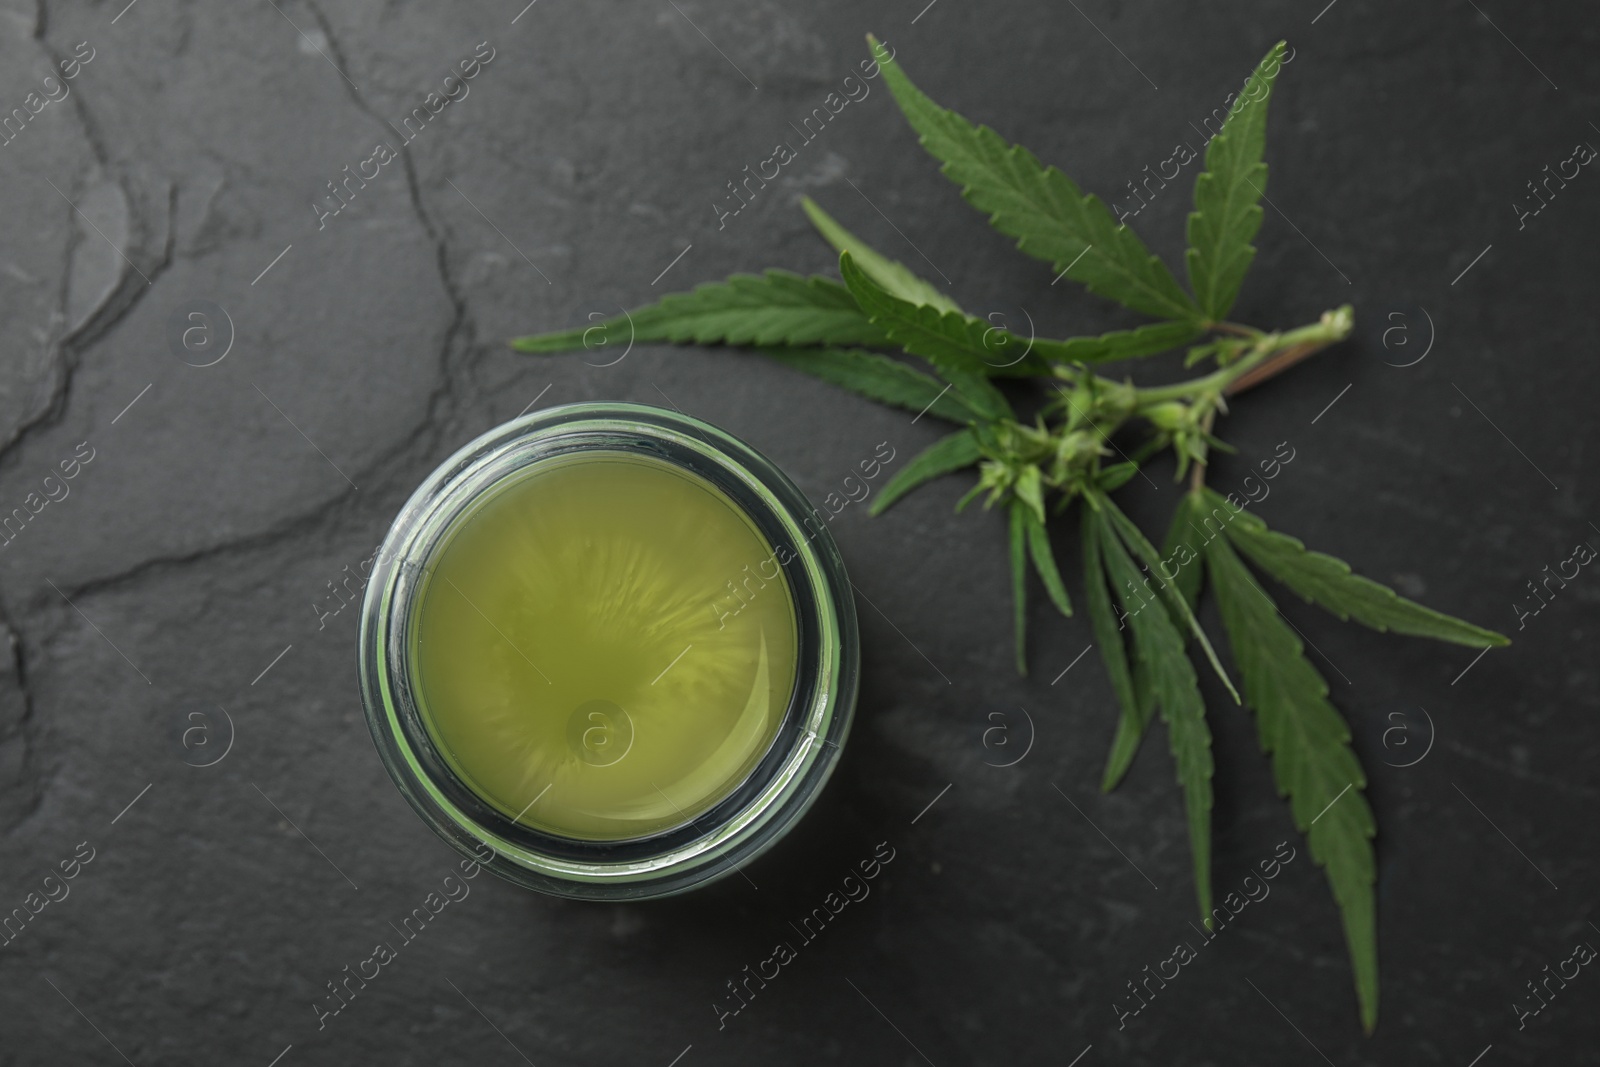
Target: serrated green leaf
1180	555
1041	207
1184	564
1144	693
1011	355
1141	547
944	339
895	277
947	454
1019	580
748	309
1311	756
1039	354
1118	344
1044	561
1227	194
1184	570
1159	647
990	349
1325	580
1136	710
878	378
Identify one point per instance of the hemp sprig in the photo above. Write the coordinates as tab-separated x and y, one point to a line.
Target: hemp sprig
1141	601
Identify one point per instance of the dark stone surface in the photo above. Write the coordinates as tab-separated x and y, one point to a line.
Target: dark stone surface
195	543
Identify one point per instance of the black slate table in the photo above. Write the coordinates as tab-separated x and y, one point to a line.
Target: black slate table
247	376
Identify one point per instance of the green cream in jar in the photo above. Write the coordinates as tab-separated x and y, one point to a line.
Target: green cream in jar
611	648
582	662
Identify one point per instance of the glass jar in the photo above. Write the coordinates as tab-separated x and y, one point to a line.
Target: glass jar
751	814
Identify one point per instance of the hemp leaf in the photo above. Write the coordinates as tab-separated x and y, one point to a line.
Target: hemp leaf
894	277
951	341
1118	344
1168	593
1051	218
1173	689
1227	209
769	309
1044	562
944	456
1311	757
1136	706
1140	603
1328	582
878	377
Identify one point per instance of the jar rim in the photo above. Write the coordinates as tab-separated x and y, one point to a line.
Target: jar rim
746	819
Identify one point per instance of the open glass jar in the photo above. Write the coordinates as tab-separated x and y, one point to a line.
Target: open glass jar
520	653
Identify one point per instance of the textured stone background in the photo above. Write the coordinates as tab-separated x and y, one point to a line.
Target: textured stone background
194	547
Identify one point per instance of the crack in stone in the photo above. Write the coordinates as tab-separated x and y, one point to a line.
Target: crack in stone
460	323
117	303
453	358
310	521
23	729
128	293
